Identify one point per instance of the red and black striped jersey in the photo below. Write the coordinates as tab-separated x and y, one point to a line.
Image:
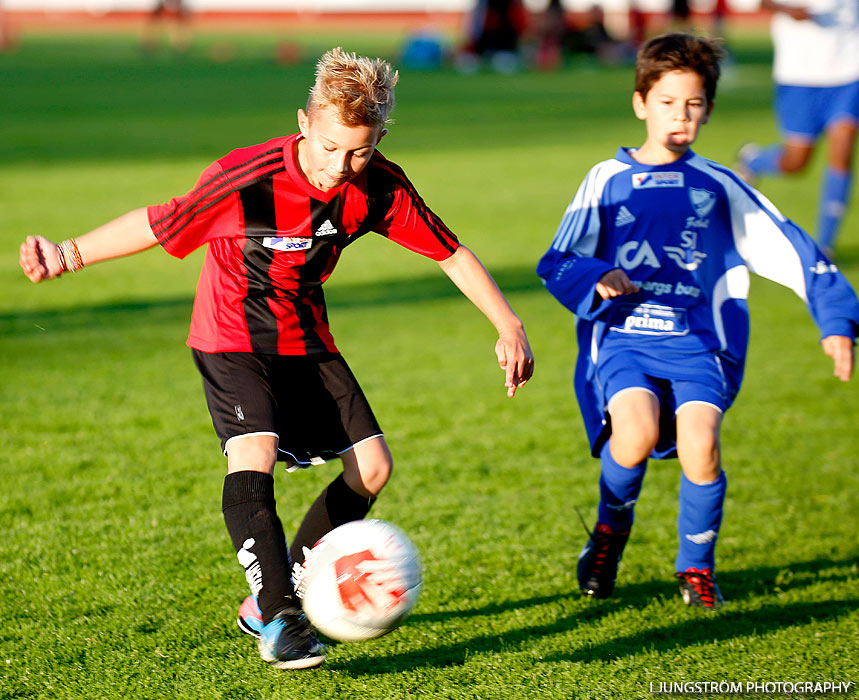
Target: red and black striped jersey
274	239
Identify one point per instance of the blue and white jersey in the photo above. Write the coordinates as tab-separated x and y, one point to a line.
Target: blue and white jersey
687	233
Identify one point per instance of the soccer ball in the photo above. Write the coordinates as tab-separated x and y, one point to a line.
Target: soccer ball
361	580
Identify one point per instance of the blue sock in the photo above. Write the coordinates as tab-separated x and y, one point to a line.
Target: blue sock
698	522
767	161
619	489
834	193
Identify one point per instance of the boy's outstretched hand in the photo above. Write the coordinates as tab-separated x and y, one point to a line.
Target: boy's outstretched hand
840	349
615	283
515	358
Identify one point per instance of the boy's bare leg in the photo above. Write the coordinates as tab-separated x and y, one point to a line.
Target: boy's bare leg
634	426
366	469
368	466
795	155
698	442
256	453
841	137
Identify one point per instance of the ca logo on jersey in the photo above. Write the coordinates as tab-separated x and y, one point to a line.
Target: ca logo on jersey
703	201
632	254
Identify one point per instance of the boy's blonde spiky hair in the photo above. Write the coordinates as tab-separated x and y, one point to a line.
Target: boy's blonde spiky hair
360	89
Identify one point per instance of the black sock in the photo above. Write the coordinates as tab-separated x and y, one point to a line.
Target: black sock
336	505
257	535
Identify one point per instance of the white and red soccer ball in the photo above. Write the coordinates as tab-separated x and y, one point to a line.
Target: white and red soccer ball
361	580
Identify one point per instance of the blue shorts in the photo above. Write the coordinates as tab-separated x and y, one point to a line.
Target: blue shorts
699	379
806	112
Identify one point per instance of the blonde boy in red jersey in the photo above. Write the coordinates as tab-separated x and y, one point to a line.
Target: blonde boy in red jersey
276	218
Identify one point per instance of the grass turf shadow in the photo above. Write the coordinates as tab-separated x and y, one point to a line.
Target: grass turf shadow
134	313
699	627
705	629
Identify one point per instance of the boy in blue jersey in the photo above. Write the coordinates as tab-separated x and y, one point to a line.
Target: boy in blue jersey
653	257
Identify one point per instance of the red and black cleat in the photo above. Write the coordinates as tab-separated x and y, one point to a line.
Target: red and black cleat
698	588
598	561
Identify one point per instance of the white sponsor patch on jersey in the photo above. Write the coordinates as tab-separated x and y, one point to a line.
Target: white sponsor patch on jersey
327	229
624	217
649	319
287	244
644	181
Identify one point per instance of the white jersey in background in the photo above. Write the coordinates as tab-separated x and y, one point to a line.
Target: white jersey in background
820	52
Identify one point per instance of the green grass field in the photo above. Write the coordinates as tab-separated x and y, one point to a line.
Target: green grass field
117	578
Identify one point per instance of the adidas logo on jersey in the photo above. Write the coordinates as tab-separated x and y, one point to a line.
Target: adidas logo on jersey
327	229
624	217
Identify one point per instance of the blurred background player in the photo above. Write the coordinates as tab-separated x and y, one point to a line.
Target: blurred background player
175	19
553	31
680	15
276	218
816	74
494	30
558	38
653	256
6	40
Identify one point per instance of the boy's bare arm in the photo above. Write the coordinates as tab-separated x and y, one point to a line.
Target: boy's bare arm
512	349
840	349
125	235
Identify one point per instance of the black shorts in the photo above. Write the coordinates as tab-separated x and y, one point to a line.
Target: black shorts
312	403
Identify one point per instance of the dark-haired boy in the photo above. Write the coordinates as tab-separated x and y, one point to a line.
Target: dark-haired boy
653	256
